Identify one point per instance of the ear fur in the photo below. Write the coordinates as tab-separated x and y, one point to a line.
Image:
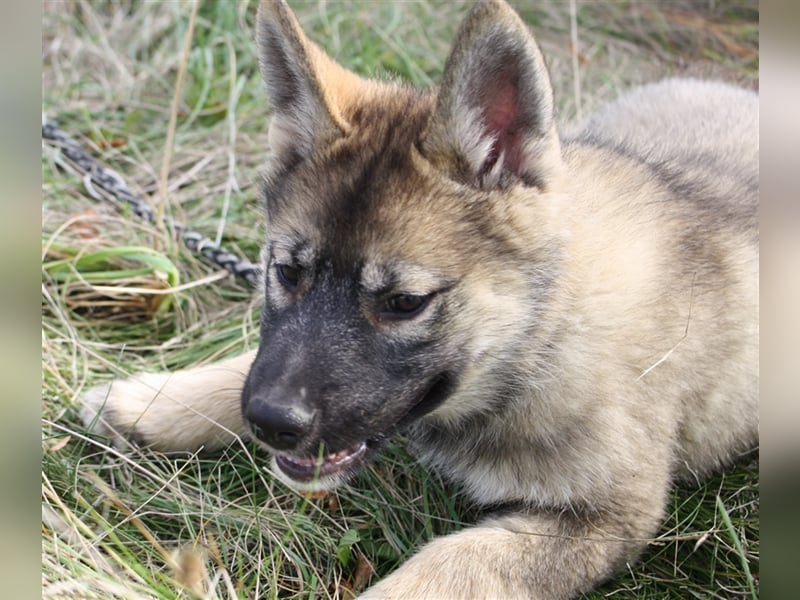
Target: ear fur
307	90
494	112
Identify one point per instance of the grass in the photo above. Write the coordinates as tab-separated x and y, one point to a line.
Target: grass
141	525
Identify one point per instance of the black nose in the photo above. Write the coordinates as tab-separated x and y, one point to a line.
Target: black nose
280	426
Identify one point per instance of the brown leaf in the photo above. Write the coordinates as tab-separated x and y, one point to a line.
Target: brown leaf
60	443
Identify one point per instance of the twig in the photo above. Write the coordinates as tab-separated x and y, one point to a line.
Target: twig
680	341
173	119
576	73
231	184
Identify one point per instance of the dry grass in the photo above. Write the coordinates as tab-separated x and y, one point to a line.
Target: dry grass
112	522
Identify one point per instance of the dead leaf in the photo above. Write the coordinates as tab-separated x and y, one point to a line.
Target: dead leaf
60	443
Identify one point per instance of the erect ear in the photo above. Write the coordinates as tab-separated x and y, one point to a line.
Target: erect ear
494	112
308	91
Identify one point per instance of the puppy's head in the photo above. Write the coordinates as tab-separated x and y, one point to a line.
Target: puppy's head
407	246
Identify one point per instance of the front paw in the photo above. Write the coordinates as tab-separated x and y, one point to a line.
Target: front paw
180	411
418	579
119	410
465	566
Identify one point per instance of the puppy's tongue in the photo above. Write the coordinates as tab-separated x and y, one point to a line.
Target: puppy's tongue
306	469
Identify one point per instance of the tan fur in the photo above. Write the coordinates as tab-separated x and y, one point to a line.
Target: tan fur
204	401
599	290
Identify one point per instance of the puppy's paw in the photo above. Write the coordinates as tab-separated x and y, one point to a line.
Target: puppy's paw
478	562
93	414
123	411
181	411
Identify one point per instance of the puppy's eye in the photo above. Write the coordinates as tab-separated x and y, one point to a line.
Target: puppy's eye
404	306
288	276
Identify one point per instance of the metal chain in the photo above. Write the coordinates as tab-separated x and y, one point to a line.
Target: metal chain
120	194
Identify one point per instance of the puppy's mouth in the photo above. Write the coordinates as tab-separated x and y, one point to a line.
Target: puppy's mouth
328	470
305	470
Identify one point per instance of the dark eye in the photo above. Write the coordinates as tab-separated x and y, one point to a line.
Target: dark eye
288	276
404	306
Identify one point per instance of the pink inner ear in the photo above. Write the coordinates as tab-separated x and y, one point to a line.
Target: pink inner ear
499	118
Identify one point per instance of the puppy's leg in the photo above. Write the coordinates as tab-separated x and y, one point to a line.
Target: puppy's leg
171	412
532	555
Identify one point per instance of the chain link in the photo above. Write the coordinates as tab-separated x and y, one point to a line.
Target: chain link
120	194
